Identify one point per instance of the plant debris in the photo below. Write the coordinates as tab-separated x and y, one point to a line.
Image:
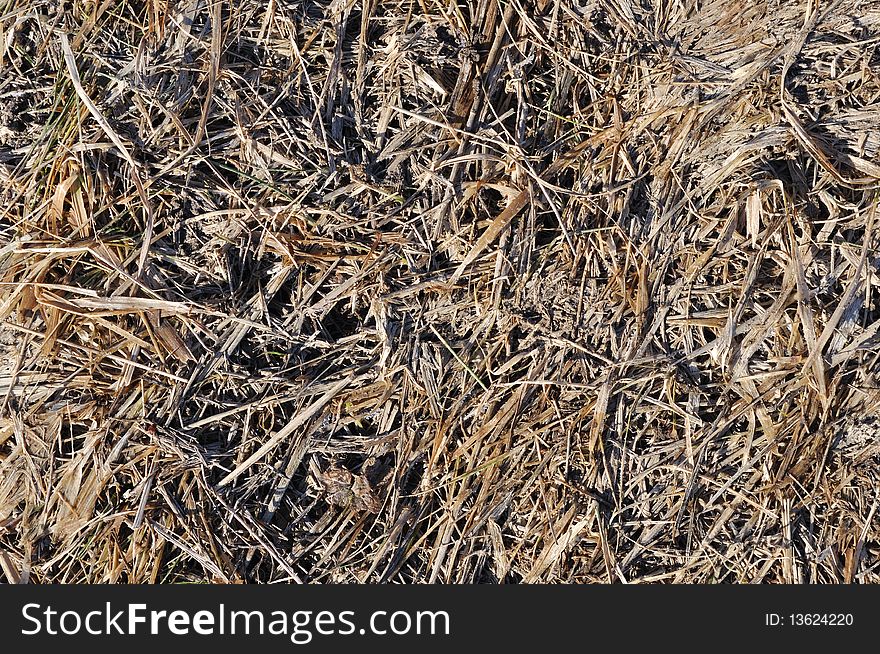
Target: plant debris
482	292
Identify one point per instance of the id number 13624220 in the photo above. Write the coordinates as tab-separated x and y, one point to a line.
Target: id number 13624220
809	620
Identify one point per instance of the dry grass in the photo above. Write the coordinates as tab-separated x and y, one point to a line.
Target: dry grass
521	291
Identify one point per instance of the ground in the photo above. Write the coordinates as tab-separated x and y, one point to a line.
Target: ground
487	292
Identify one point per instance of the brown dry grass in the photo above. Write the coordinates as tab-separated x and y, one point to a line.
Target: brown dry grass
521	291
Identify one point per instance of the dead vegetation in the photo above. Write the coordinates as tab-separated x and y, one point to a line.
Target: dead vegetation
521	291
